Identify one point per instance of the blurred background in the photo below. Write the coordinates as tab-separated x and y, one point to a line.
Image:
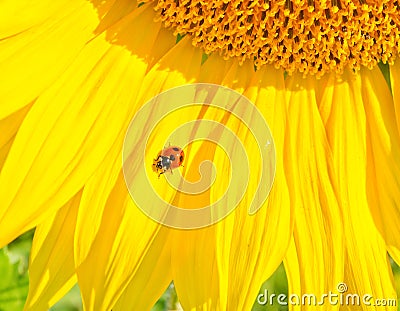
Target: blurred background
14	283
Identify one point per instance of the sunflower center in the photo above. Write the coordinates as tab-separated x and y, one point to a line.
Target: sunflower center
310	36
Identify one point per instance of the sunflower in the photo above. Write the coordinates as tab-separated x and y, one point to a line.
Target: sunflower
73	75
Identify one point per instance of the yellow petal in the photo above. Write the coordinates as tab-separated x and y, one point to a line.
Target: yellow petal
94	198
64	143
367	268
155	269
123	240
383	158
100	184
194	251
39	41
152	277
317	253
113	11
295	275
178	66
229	261
122	222
195	270
395	81
182	65
250	248
52	269
8	129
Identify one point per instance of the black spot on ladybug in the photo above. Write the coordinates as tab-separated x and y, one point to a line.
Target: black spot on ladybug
171	157
165	162
176	149
181	158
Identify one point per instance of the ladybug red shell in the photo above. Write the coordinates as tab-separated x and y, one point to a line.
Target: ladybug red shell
168	159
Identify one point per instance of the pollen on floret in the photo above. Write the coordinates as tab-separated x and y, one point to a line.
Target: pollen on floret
308	36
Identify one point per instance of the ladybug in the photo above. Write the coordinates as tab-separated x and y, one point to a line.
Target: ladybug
168	159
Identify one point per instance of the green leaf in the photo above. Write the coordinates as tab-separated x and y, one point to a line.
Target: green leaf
14	282
275	285
168	301
70	302
386	73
